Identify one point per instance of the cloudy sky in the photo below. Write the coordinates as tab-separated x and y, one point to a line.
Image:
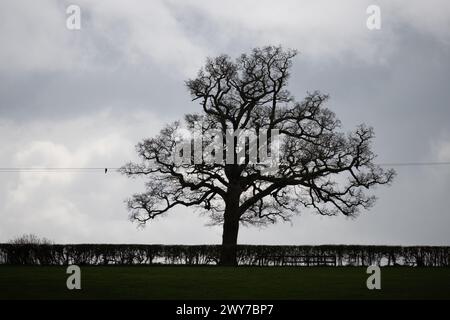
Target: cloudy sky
84	98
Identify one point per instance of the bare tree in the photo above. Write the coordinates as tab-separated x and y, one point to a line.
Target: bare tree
318	167
30	239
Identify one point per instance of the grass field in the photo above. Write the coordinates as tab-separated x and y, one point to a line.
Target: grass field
180	282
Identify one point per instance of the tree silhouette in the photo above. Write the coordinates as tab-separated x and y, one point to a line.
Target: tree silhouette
317	166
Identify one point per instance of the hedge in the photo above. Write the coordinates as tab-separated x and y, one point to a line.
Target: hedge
255	255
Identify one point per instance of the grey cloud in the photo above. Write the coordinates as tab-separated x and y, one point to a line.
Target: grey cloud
90	96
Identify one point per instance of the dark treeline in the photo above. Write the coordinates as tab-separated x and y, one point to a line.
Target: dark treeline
258	255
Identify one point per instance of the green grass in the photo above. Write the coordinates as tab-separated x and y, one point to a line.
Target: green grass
180	282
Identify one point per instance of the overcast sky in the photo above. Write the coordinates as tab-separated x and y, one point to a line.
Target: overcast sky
84	98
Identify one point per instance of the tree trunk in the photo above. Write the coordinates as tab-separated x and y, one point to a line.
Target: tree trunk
230	231
229	241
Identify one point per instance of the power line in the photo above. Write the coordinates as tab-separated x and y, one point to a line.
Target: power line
55	168
410	164
105	169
